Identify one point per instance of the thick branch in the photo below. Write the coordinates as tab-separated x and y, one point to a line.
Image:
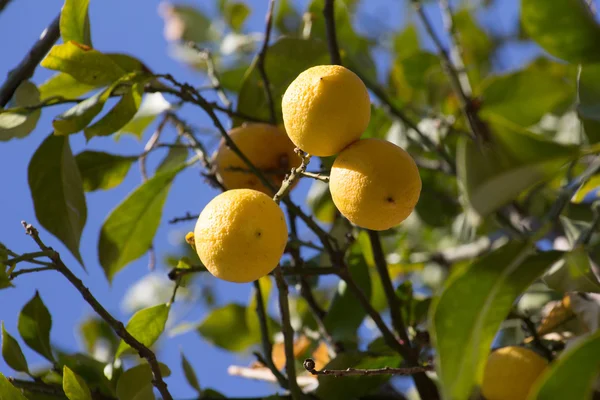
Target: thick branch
332	43
309	365
115	324
261	62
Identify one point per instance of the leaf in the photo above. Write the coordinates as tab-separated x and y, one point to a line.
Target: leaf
152	105
136	382
83	63
285	60
588	107
564	28
352	387
190	375
226	327
8	391
235	14
573	374
34	326
12	353
406	42
524	97
474	301
287	19
19	124
174	158
346	314
128	231
119	115
95	330
57	192
586	189
573	273
75	22
476	45
102	171
63	85
515	161
146	326
89	369
78	117
74	387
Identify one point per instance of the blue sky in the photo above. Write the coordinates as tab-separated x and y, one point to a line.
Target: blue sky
134	27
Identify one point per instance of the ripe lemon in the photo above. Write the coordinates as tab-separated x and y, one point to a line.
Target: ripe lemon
240	235
510	372
266	146
375	184
326	108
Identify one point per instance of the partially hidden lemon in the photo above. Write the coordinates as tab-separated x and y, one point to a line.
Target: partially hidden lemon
266	146
326	108
240	235
510	373
375	184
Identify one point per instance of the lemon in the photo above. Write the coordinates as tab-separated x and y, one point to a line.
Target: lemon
375	184
240	235
510	372
266	146
326	108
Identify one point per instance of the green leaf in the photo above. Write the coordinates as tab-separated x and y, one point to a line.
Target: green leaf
83	63
8	391
128	231
89	369
588	107
78	117
346	313
128	62
285	60
146	326
174	158
34	326
573	273
573	374
18	124
468	312
119	115
136	382
352	387
586	189
152	105
74	387
75	22
406	42
566	29
95	330
475	44
227	327
12	353
190	375
514	161
64	85
524	97
102	171
235	14
287	19
57	192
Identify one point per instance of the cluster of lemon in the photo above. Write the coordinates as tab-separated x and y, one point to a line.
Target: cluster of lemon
241	234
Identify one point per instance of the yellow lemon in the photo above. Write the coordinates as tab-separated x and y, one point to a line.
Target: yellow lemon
510	372
266	146
326	108
375	184
240	235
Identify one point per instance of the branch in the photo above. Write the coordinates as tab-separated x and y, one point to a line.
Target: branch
24	271
115	324
294	175
332	43
27	257
455	48
265	375
27	66
3	4
261	62
186	217
309	365
212	73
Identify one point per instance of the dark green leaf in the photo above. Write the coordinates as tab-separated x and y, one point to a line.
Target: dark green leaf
57	191
8	391
287	19
235	14
515	162
189	373
573	374
89	369
19	124
573	273
34	326
83	63
94	331
564	28
406	42
136	382
284	61
146	326
437	204
226	327
352	387
475	300
74	387
75	22
128	231
64	85
12	353
102	171
346	314
588	106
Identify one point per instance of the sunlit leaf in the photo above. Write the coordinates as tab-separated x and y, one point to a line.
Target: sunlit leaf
34	326
20	124
75	22
136	382
12	353
226	327
63	85
74	387
573	273
146	326
8	391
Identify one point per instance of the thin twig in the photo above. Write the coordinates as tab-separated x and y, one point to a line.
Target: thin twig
3	4
309	365
312	175
212	73
24	271
260	62
332	43
27	66
293	176
185	218
455	47
536	338
26	257
115	324
265	375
